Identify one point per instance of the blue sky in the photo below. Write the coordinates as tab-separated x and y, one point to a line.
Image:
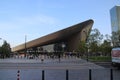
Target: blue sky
36	18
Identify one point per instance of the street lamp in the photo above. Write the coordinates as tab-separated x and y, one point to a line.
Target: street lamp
25	46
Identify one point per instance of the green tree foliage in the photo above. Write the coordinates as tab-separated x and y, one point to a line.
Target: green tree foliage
105	48
82	47
93	47
5	50
94	40
96	44
108	38
95	37
116	39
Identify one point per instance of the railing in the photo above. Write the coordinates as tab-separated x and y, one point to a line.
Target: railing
90	74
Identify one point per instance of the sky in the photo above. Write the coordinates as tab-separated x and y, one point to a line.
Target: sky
37	18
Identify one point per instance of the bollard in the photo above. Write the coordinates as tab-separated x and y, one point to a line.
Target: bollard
18	75
90	76
111	74
43	76
67	76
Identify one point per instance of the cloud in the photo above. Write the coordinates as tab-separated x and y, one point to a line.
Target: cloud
37	20
14	28
21	21
7	25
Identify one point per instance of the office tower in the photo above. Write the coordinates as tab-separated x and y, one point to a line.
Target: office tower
115	25
115	18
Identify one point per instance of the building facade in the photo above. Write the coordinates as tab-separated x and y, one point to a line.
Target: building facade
115	25
115	18
66	39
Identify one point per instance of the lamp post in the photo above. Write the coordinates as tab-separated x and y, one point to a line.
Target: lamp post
25	46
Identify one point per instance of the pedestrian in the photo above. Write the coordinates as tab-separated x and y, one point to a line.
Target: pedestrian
42	58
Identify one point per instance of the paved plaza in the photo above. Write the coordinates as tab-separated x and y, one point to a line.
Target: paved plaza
72	63
31	69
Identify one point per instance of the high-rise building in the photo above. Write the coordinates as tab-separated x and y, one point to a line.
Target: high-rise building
115	18
115	25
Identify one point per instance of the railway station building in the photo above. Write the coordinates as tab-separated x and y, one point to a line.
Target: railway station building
67	39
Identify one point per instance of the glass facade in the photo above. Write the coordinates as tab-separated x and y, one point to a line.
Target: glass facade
115	18
115	25
57	47
48	48
114	12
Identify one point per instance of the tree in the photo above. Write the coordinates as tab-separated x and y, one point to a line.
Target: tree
5	50
95	36
95	44
105	48
116	39
94	40
82	47
108	38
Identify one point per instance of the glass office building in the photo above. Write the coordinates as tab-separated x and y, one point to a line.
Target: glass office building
115	25
115	18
